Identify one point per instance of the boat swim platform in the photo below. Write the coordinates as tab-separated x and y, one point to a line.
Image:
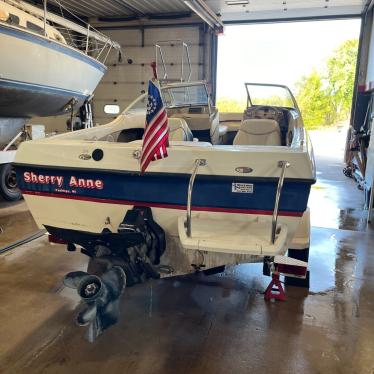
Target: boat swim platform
234	237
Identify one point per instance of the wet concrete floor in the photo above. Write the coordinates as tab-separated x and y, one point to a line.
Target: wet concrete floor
197	323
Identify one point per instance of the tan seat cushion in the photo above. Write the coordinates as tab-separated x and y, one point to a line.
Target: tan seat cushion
179	130
258	132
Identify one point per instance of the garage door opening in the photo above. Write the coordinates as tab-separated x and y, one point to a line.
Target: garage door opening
317	61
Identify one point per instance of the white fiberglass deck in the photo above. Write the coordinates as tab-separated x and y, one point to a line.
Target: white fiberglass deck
249	238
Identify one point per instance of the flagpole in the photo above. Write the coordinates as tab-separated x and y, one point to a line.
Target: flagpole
154	69
156	130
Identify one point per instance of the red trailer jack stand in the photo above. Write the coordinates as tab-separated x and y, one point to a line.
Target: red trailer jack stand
287	266
275	289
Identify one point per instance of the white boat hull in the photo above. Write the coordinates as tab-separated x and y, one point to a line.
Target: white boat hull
87	217
111	186
39	76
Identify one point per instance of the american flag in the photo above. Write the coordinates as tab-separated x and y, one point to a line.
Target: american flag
156	134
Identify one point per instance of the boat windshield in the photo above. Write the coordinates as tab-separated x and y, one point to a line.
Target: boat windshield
269	95
189	95
174	97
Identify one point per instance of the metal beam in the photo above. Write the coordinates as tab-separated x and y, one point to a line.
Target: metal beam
205	13
293	19
155	26
368	6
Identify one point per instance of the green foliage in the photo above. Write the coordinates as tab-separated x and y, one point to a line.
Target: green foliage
226	105
325	97
273	100
341	68
312	100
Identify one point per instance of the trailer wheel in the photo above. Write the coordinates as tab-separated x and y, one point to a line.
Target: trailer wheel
347	171
8	183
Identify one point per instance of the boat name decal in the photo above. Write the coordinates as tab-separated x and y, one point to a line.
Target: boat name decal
242	188
58	180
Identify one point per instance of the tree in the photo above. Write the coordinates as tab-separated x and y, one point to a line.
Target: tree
325	98
341	68
227	105
312	100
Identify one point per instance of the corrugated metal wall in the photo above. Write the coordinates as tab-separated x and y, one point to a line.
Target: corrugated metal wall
126	80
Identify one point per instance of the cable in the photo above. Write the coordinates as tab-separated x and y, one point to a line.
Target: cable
28	239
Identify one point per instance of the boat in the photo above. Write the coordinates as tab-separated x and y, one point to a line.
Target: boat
203	207
188	101
43	67
49	66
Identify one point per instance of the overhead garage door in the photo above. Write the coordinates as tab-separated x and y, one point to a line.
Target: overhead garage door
126	80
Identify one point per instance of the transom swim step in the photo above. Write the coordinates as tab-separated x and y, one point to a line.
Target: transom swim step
249	238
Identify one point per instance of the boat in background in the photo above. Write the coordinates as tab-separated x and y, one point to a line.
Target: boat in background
45	68
49	66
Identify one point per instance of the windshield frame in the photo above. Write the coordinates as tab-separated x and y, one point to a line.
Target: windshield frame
169	86
249	100
172	86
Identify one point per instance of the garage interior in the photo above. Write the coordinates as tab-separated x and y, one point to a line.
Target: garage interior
211	322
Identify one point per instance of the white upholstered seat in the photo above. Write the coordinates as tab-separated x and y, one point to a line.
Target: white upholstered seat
179	130
258	132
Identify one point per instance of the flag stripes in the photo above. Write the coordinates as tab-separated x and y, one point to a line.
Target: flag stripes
156	134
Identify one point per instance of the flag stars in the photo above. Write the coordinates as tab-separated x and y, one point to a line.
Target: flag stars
152	104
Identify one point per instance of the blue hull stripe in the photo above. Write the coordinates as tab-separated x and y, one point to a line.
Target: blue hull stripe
39	88
51	44
214	191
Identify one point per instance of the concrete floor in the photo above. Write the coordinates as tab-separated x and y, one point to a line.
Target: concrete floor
203	324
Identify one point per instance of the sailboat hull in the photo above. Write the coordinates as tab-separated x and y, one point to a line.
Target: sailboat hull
39	76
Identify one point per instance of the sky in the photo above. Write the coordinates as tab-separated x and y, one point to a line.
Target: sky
276	53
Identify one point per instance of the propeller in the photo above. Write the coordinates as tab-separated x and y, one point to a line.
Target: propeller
101	295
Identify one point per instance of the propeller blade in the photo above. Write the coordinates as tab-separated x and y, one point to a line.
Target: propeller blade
73	278
87	315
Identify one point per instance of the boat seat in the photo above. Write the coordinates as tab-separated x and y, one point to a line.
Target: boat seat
179	130
258	132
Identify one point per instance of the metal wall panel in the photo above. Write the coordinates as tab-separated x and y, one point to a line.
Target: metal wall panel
126	80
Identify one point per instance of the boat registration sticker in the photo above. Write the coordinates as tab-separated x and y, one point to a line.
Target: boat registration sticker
242	188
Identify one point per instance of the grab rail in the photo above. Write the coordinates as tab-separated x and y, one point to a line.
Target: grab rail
198	162
284	165
185	60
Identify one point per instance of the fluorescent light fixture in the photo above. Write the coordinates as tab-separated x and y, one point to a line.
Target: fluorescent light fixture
237	2
205	13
